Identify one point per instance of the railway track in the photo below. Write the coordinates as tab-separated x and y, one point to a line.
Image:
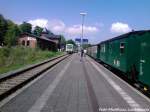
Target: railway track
12	82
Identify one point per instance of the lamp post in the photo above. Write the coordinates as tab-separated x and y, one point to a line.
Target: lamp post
83	16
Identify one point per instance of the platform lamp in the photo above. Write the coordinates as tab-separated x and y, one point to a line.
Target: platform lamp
83	14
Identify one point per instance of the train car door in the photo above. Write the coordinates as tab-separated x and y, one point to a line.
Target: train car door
144	66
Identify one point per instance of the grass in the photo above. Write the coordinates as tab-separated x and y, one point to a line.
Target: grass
18	57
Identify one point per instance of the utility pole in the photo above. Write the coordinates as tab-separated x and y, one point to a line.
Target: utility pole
83	17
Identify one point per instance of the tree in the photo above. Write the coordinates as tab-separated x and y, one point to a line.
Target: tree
71	42
26	27
37	31
3	28
12	34
86	46
62	40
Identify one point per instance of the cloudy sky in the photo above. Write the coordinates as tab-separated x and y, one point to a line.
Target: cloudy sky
105	18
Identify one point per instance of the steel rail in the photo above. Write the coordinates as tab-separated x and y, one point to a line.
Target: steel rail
11	82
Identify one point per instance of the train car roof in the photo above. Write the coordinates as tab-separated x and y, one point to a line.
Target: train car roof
125	35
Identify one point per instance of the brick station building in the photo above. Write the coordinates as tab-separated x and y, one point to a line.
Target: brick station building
29	40
32	41
55	38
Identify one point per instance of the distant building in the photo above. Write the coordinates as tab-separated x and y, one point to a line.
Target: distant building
51	36
33	41
46	43
29	40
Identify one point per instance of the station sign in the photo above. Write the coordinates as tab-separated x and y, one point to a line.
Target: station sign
78	40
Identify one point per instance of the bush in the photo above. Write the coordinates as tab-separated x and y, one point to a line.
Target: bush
16	57
4	54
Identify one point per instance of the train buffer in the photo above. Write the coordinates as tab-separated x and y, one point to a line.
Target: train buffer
76	86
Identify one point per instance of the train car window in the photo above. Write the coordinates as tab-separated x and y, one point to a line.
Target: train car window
111	47
99	47
28	43
103	48
122	47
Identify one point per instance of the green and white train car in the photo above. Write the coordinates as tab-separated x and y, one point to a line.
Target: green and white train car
130	54
69	48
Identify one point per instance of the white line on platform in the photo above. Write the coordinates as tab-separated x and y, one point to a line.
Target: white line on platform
139	93
133	104
40	103
6	100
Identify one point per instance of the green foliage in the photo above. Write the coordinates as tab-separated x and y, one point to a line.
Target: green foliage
86	46
62	40
4	54
26	27
8	32
16	57
71	42
37	31
3	28
12	34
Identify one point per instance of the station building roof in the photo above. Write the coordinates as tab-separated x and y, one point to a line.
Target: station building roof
36	37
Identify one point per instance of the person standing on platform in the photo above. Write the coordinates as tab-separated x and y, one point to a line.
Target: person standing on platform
85	51
82	53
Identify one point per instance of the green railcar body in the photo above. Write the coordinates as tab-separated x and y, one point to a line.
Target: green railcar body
127	53
144	62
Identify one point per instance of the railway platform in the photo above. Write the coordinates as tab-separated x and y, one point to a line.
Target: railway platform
76	85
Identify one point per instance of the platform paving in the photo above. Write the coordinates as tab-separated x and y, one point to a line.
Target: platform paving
76	85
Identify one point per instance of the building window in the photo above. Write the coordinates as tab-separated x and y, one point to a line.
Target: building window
28	43
122	47
23	43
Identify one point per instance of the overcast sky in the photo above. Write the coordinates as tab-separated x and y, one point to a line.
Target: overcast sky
105	18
